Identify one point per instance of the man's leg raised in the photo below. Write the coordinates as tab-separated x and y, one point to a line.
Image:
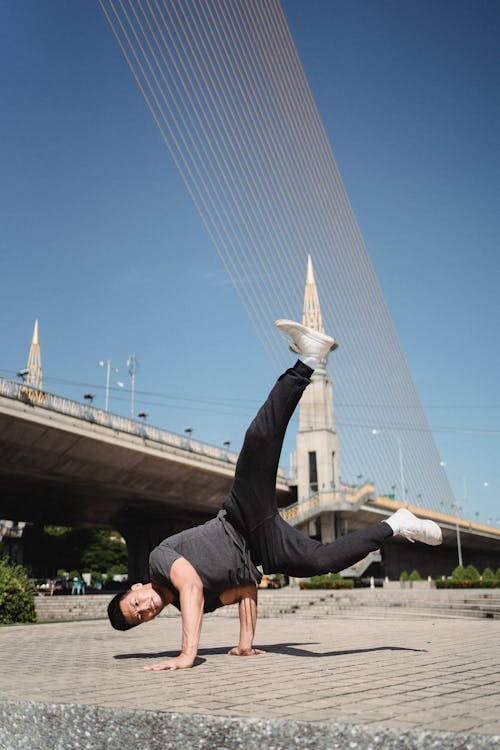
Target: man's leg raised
252	498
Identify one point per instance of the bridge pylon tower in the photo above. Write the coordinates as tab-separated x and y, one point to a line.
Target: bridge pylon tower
318	450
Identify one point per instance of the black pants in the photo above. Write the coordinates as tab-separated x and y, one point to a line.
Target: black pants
251	504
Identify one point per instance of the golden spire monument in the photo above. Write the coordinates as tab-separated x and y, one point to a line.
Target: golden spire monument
33	377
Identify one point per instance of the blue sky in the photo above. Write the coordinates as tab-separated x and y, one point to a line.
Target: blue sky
99	239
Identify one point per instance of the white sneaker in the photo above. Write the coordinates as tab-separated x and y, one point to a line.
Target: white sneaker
306	341
406	524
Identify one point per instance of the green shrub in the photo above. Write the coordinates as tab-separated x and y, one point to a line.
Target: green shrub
488	579
329	581
404	576
458	574
466	576
414	576
472	574
17	599
469	577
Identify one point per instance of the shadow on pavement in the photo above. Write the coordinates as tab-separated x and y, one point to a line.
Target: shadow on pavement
289	649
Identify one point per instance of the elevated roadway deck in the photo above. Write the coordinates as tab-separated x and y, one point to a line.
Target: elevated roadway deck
66	463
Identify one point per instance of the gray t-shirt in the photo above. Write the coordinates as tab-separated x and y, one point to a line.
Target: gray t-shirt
217	552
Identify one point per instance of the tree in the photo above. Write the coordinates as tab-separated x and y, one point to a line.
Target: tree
53	548
103	553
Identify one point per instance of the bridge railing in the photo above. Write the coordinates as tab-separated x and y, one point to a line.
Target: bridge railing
61	405
346	497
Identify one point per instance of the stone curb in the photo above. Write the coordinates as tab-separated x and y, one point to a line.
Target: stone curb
37	726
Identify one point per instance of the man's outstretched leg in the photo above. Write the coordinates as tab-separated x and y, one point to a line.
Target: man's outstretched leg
252	498
284	549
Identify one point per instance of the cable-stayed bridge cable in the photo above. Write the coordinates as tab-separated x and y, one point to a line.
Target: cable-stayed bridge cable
226	88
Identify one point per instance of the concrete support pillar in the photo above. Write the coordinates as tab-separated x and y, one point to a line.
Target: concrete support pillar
328	527
141	538
138	547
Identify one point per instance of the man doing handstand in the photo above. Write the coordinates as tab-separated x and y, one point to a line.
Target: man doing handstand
215	564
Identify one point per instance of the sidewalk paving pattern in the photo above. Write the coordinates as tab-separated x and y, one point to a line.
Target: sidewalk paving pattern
391	672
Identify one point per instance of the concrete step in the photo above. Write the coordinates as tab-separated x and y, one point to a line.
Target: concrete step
384	612
308	603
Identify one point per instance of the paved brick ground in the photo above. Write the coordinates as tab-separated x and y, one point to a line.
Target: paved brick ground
391	671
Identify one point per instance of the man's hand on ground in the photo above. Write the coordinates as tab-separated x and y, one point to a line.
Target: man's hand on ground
180	662
237	651
246	595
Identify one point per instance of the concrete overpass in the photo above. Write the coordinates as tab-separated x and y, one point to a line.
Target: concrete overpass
65	463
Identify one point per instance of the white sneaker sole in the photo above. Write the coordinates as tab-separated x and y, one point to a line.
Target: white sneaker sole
289	327
417	529
431	534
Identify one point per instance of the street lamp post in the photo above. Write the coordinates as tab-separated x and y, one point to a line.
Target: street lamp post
89	398
487	485
107	364
459	509
401	468
188	431
132	369
457	527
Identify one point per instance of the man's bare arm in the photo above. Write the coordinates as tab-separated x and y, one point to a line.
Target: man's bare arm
246	595
188	583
